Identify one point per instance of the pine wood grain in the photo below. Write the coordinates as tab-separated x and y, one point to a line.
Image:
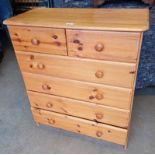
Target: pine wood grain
77	125
133	91
100	113
75	93
101	94
93	19
115	46
35	39
96	71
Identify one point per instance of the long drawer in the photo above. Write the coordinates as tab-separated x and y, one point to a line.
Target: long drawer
101	94
118	46
105	72
36	39
91	111
77	125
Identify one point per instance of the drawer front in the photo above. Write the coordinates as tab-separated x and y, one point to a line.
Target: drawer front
101	94
91	111
120	46
79	69
77	125
44	40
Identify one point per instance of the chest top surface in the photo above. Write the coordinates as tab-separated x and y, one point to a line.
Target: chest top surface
92	19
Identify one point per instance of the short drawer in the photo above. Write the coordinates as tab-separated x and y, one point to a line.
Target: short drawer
36	39
101	94
120	46
77	125
91	111
105	72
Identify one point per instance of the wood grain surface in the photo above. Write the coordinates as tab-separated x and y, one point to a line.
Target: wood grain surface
86	110
96	71
42	40
93	19
85	127
96	93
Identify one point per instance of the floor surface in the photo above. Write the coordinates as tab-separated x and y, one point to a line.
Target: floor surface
20	134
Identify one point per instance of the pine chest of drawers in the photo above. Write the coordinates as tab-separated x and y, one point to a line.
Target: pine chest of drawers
79	67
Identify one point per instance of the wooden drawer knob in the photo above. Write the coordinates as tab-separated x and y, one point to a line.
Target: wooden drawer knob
99	96
99	47
99	133
41	66
99	74
35	41
49	105
99	115
46	87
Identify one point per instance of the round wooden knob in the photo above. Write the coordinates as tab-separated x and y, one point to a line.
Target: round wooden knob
49	105
35	41
55	37
41	66
46	87
99	133
99	96
99	47
99	74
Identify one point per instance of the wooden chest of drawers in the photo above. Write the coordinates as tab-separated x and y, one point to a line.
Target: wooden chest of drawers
79	67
